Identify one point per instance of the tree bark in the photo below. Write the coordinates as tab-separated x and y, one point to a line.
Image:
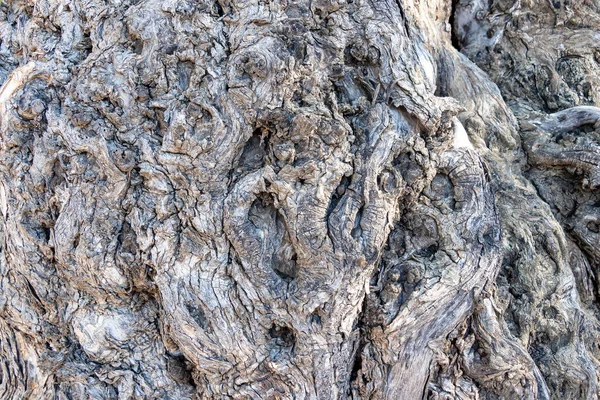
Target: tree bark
257	199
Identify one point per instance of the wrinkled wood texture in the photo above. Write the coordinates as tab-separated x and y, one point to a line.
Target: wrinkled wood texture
254	199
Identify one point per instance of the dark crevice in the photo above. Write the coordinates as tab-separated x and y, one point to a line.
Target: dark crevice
76	240
428	251
315	317
403	15
85	46
283	335
426	386
138	46
199	316
357	230
179	370
286	270
34	292
362	342
337	195
255	150
408	167
218	9
184	74
492	236
452	22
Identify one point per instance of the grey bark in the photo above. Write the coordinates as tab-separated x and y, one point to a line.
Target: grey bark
299	199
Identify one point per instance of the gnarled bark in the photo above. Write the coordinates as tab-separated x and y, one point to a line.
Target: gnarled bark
308	199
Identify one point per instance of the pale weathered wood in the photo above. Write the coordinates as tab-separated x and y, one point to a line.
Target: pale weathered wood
317	199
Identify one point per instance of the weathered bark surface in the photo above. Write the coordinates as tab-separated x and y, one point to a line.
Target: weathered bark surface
299	199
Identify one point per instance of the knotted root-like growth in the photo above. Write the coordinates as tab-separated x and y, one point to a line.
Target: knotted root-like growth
307	199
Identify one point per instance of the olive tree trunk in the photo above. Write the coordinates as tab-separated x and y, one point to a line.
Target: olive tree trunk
303	199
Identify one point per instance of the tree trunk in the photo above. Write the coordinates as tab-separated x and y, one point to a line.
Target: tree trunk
254	199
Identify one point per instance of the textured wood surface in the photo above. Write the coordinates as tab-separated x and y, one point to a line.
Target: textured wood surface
326	199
